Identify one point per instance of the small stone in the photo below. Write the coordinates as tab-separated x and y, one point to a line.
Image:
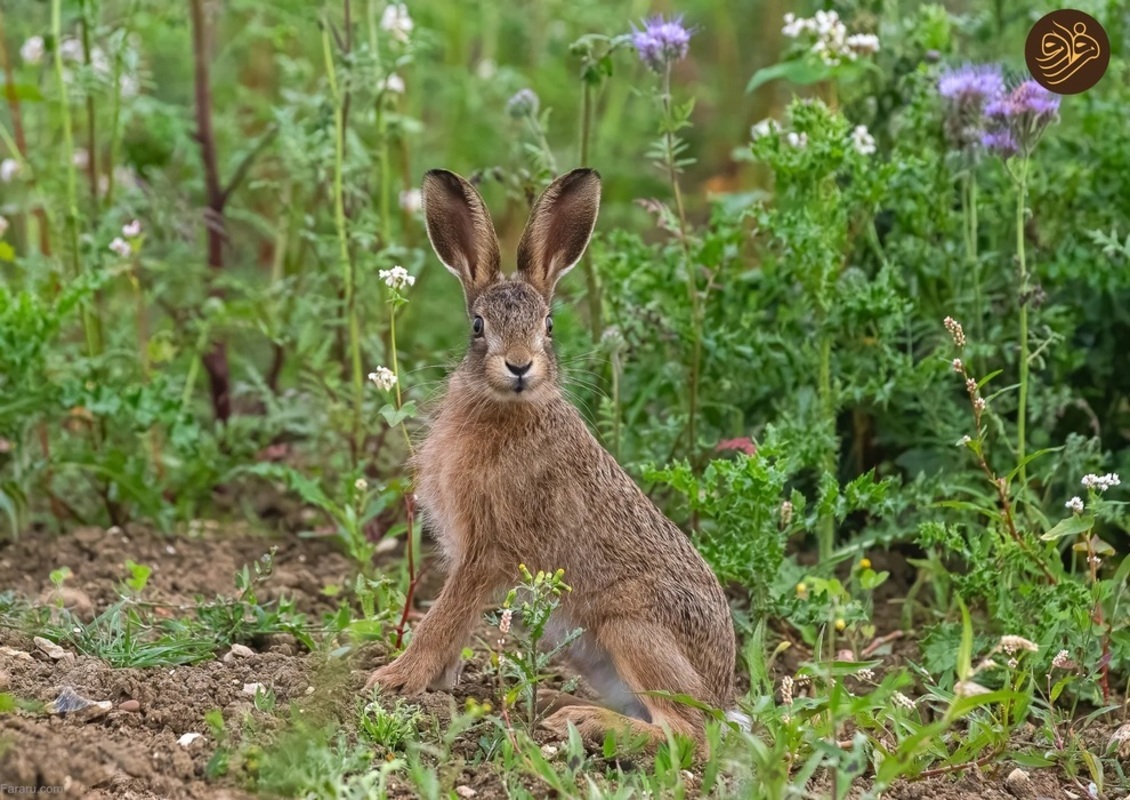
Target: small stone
11	652
74	600
189	738
1120	739
465	791
253	688
70	703
1019	784
549	751
309	690
50	648
130	706
238	651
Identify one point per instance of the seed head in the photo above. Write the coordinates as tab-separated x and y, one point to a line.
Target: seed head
787	685
956	331
504	623
523	104
904	702
1017	644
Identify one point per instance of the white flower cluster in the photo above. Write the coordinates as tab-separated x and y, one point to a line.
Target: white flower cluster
393	84
412	201
1100	483
71	50
831	41
1075	504
9	169
797	140
397	21
767	127
33	50
1015	644
131	230
862	140
397	278
904	702
384	378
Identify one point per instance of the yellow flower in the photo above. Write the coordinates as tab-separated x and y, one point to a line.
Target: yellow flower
801	590
840	624
865	563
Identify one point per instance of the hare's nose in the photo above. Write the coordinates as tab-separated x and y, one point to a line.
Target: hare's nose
517	371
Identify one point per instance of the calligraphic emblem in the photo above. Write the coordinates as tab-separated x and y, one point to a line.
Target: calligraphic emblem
1067	51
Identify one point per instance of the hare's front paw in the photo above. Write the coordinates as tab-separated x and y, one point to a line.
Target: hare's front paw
399	677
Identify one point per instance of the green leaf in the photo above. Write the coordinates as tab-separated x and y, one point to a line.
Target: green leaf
394	416
1072	526
965	651
1032	457
7	254
799	71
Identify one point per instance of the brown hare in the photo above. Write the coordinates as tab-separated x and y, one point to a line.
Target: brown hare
510	474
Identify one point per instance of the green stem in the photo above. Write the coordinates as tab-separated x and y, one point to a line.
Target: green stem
1022	409
596	324
89	324
347	273
826	532
688	268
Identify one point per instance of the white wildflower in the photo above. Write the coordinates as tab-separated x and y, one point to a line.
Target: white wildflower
383	377
979	404
787	685
1101	483
128	85
958	366
393	83
397	278
1062	660
4	225
969	689
81	158
902	701
964	440
71	49
504	623
767	127
360	484
956	331
1015	644
397	21
9	169
121	247
1075	504
863	43
797	140
412	201
131	229
786	512
32	50
863	141
486	69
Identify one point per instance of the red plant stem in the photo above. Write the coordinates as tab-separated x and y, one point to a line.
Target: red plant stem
216	359
1097	618
413	576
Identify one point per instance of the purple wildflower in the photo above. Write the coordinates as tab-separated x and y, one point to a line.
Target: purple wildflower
523	104
1017	119
968	90
662	42
971	83
1029	99
1001	143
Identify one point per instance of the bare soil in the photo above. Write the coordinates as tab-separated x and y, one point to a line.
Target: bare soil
135	754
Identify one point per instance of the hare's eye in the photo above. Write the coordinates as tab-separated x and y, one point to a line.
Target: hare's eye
477	326
549	324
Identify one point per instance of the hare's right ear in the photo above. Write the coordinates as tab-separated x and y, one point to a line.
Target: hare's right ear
460	230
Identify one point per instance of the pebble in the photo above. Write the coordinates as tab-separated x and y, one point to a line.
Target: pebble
1019	784
71	704
238	651
465	791
51	649
1121	738
253	688
549	751
11	652
189	738
131	706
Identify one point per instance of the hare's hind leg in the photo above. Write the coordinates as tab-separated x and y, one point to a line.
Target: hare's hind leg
646	660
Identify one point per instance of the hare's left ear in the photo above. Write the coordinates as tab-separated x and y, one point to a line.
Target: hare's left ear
559	229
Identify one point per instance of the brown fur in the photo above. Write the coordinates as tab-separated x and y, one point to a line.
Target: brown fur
509	476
